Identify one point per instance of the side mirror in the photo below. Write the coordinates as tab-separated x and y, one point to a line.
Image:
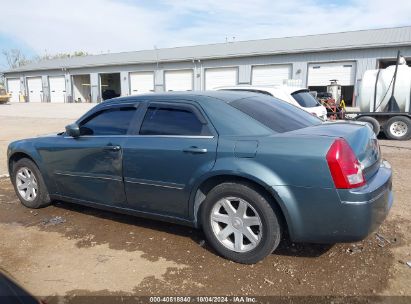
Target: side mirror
73	130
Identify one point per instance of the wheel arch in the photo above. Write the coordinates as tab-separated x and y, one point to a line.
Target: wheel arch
16	156
200	193
19	151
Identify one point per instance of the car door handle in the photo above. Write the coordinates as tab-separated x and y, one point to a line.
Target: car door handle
195	150
112	148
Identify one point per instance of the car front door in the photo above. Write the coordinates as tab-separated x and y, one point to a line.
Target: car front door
89	167
173	145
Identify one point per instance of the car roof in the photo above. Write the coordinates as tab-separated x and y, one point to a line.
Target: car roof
222	96
216	100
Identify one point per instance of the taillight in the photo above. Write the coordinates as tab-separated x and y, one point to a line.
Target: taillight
344	166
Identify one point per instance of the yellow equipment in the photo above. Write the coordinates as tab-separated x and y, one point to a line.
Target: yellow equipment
4	96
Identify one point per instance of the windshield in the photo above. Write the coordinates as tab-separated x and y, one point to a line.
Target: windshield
276	114
305	99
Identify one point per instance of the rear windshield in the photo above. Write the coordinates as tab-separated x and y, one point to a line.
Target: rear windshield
276	114
305	99
249	90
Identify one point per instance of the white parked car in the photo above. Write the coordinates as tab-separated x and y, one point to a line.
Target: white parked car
299	97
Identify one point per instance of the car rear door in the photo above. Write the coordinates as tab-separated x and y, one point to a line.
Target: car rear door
173	145
89	168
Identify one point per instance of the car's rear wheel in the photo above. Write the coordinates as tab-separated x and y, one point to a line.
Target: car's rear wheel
240	223
29	184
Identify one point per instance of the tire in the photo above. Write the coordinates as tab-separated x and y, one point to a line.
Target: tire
398	127
28	169
266	234
375	125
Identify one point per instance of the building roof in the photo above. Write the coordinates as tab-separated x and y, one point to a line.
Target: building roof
386	37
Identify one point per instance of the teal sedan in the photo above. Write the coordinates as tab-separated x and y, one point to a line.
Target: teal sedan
245	167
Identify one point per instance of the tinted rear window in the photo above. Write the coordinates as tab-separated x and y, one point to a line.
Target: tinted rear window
305	99
278	115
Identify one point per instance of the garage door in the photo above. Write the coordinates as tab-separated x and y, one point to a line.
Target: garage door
57	89
179	80
141	82
13	88
35	88
219	77
320	74
270	74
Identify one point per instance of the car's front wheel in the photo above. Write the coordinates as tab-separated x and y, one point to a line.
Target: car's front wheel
240	223
29	185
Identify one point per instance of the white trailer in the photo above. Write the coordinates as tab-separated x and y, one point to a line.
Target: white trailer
385	100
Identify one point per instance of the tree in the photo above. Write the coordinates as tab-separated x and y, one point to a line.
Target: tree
59	55
15	58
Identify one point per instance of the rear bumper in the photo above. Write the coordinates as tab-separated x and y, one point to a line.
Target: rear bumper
344	215
368	206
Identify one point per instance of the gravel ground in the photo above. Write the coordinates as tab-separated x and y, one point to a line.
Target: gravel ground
71	250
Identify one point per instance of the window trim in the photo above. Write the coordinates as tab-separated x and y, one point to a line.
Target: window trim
146	136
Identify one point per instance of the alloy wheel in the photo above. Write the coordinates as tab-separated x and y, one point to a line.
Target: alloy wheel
26	184
236	224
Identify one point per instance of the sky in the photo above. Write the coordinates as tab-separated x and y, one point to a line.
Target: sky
101	26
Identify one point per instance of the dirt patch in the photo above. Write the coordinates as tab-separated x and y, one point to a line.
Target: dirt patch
399	154
47	263
294	269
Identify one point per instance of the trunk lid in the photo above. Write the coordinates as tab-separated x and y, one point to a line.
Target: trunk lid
359	136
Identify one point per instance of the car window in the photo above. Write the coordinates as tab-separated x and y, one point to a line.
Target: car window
170	121
108	122
276	114
305	99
